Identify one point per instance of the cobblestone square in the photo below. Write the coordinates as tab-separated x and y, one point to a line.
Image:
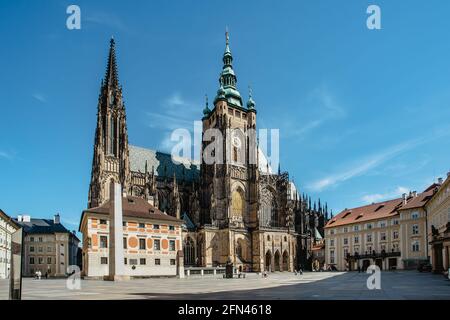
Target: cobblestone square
400	285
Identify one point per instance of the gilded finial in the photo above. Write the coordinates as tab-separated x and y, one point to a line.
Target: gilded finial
227	36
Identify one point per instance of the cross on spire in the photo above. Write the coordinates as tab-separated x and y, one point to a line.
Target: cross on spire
227	36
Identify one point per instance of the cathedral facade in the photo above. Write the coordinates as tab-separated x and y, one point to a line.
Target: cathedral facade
234	209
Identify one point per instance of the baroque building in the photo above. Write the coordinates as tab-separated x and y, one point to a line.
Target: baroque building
235	208
438	209
7	227
48	247
391	234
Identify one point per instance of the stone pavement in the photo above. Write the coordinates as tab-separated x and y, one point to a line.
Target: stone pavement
316	286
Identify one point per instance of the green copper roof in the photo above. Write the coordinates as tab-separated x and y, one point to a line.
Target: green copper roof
250	103
206	111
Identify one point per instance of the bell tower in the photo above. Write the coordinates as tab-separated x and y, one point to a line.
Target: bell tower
111	159
229	184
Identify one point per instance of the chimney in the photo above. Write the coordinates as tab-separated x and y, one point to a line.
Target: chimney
26	218
404	198
57	219
440	180
151	200
19	218
414	193
448	174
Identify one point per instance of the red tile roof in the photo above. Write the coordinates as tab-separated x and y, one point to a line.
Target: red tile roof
135	207
366	213
420	200
381	210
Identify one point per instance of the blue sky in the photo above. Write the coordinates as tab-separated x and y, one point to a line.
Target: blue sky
363	115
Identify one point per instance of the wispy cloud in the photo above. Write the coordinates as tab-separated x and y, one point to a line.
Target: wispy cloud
6	155
175	112
106	19
40	97
366	164
320	101
370	198
401	168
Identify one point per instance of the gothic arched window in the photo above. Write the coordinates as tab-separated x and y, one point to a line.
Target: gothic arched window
189	252
274	214
237	201
235	154
268	208
112	126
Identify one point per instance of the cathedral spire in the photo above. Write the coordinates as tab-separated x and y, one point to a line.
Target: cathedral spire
111	76
227	79
111	137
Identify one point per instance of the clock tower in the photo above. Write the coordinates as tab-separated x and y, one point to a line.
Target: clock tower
229	167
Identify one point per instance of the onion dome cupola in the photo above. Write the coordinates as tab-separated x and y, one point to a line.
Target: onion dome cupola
228	78
206	110
251	104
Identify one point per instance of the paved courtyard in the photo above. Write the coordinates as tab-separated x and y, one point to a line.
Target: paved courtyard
316	286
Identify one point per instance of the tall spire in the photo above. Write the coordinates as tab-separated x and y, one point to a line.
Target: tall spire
111	138
111	77
227	79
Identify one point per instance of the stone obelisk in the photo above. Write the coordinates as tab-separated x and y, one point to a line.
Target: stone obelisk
116	257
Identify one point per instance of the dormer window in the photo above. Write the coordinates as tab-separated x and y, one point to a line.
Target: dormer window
346	214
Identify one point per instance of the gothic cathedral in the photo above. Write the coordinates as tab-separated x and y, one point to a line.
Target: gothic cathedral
234	209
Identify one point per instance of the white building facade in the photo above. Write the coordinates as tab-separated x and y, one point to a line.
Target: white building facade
150	244
7	228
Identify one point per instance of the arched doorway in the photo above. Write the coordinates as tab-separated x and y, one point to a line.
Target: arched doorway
268	260
277	261
285	261
189	252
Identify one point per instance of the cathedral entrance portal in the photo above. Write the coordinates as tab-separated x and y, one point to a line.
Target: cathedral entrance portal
277	261
268	261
